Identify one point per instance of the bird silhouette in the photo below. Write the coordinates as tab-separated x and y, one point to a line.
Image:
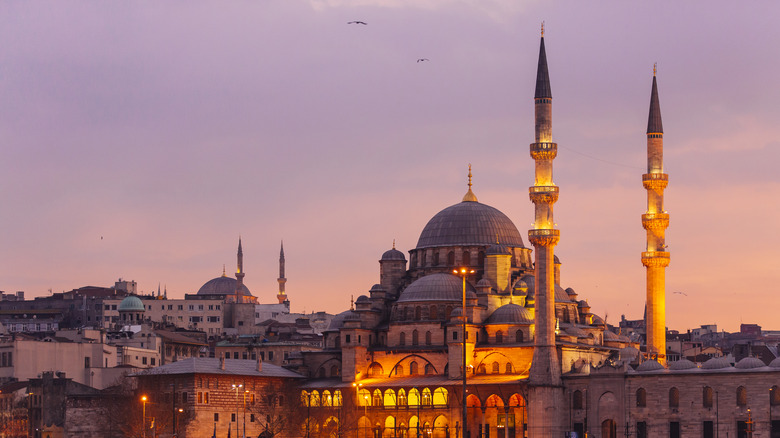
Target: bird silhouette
423	59
357	22
681	293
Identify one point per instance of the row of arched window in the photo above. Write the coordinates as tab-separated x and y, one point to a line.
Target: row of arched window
495	368
499	337
415	338
465	259
334	372
707	398
390	399
417	313
327	399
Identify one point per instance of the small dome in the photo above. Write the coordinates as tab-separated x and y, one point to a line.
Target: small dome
338	321
393	255
510	314
597	321
131	303
497	249
520	284
483	283
362	299
611	336
436	287
584	304
576	331
561	296
456	313
376	288
749	363
628	353
716	363
650	365
775	363
222	286
682	364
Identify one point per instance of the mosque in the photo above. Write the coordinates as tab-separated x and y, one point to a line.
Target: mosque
474	314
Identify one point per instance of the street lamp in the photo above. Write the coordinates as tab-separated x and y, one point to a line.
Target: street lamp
463	272
357	387
236	388
143	402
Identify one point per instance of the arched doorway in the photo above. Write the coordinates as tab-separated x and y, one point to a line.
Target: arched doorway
609	429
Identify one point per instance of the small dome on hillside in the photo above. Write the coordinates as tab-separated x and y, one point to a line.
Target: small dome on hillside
393	255
682	364
750	363
650	365
716	363
131	303
510	314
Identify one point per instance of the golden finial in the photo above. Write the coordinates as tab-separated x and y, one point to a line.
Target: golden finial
470	196
351	302
655	68
223	271
542	29
497	242
393	243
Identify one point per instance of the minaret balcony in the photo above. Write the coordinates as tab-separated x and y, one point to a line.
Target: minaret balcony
543	194
655	259
544	151
655	181
544	237
655	221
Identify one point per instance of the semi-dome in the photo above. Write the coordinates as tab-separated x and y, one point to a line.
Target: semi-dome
222	286
131	303
716	363
682	364
750	363
576	331
510	314
338	321
469	223
775	363
436	287
393	255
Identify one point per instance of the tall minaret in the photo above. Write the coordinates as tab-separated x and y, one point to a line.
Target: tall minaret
546	404
240	273
282	295
655	221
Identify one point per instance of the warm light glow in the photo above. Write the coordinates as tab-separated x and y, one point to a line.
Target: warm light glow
143	398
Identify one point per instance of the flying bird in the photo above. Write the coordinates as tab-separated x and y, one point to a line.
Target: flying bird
681	293
423	59
357	22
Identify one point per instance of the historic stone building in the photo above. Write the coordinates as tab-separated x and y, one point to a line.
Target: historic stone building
538	362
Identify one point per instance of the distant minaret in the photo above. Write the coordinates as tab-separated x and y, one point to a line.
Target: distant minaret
282	295
240	273
546	401
655	221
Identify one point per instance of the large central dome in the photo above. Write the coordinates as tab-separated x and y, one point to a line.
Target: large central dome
469	223
222	286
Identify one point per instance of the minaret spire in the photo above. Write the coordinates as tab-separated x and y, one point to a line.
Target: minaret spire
282	295
470	196
239	272
655	221
546	412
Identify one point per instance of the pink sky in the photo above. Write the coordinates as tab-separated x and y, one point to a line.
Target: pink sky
169	128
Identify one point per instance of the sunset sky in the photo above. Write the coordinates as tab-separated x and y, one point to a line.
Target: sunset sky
140	139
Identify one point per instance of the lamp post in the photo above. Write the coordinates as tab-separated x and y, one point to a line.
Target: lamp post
357	387
769	421
463	272
236	388
143	402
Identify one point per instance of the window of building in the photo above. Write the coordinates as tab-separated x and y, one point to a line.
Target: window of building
170	306
415	337
576	400
428	338
707	397
641	398
454	336
180	307
216	417
499	337
674	398
641	429
508	368
496	368
235	355
270	355
143	360
466	258
86	362
413	368
347	339
401	339
434	313
451	258
251	418
774	396
741	396
184	397
708	429
674	429
107	307
233	418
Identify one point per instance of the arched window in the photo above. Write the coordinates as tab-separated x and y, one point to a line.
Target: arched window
389	399
427	338
429	369
415	338
566	317
482	369
706	397
508	368
641	398
674	397
440	397
337	401
408	313
434	313
304	398
402	339
466	258
399	370
375	370
447	312
499	337
377	398
576	400
414	397
334	371
774	396
436	258
519	336
424	259
315	398
401	397
496	368
413	368
321	372
481	259
741	396
451	258
364	397
426	397
327	399
417	313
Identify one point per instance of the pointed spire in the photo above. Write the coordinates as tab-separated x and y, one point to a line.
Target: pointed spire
240	251
223	271
470	196
542	76
654	125
281	253
393	243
